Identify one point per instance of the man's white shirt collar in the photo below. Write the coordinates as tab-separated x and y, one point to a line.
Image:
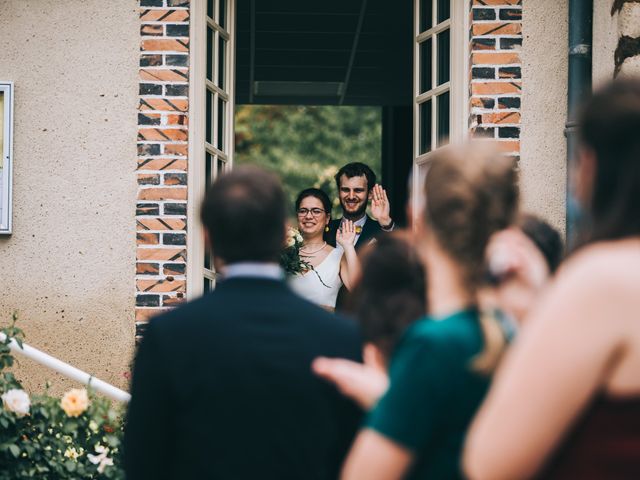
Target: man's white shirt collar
270	271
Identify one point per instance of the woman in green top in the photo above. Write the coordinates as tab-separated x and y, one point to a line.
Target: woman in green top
438	370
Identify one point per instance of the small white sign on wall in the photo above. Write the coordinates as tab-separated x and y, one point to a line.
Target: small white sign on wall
6	144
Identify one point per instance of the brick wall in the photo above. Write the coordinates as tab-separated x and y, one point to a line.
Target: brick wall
163	119
496	72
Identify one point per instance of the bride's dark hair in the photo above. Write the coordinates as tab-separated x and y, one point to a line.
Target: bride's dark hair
316	193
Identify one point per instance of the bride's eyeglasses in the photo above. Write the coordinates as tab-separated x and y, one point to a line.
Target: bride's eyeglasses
315	212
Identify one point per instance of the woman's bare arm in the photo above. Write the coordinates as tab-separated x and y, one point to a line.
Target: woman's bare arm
375	457
547	379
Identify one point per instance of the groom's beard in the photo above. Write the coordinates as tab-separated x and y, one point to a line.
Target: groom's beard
357	214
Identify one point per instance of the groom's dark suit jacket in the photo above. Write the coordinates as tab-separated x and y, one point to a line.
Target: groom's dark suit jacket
370	230
223	389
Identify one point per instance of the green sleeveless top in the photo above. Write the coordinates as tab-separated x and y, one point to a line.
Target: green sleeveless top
433	394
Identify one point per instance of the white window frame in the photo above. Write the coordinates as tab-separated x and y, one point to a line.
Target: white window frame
198	147
458	87
6	162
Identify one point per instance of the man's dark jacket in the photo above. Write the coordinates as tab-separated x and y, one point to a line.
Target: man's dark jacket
370	230
223	389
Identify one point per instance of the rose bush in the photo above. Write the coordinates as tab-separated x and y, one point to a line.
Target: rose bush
76	437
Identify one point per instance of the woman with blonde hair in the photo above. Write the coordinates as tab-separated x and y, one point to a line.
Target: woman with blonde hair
438	369
566	402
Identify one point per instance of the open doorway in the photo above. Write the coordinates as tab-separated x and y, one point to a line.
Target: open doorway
322	84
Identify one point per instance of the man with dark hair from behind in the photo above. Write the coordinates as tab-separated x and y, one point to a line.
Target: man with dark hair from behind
356	184
222	386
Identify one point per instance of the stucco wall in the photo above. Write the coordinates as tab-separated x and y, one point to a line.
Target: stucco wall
68	269
544	106
605	39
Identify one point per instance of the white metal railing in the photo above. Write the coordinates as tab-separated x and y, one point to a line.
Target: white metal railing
67	370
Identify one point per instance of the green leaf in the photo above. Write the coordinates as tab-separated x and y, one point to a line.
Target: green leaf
70	465
15	450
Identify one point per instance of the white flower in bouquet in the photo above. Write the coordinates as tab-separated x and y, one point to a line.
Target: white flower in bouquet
101	459
71	453
16	401
75	402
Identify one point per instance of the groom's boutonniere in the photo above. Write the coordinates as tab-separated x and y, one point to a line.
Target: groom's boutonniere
358	230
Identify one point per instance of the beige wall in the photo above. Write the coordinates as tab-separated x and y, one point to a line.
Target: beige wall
68	269
605	39
544	107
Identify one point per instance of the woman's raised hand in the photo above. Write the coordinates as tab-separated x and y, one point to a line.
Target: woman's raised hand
346	234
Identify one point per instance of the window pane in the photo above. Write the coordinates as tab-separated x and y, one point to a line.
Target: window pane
221	167
208	114
207	257
443	119
444	10
207	168
222	19
426	50
426	15
221	119
425	127
209	54
222	45
210	8
444	55
207	284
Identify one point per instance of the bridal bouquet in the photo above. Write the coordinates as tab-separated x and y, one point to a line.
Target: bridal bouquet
290	259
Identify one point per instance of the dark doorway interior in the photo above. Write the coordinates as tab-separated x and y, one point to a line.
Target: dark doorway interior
334	52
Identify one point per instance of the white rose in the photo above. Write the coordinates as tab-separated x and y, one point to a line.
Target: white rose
291	241
16	401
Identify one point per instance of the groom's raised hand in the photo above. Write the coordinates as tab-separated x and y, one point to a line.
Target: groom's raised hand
380	208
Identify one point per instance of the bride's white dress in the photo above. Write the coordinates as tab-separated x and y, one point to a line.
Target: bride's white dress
310	287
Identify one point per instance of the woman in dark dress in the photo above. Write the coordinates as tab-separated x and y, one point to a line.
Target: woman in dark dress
566	402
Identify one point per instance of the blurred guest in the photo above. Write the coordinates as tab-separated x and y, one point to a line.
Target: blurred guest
417	427
332	267
222	386
390	296
566	403
521	261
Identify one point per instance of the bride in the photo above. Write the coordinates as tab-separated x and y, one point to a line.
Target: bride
332	267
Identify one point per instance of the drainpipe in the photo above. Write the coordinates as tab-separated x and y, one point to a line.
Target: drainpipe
579	88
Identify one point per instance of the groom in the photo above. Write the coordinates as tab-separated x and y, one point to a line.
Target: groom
222	385
356	184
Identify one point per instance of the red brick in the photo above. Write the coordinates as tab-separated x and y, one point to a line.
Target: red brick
162	134
162	104
496	29
165	45
176	149
164	285
161	254
152	29
161	224
162	193
162	164
147	268
164	75
508	146
482	3
169	16
145	314
147	238
171	301
490	58
148	179
501	118
177	120
495	88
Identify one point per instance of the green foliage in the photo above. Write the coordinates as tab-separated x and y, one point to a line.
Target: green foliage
48	443
307	145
